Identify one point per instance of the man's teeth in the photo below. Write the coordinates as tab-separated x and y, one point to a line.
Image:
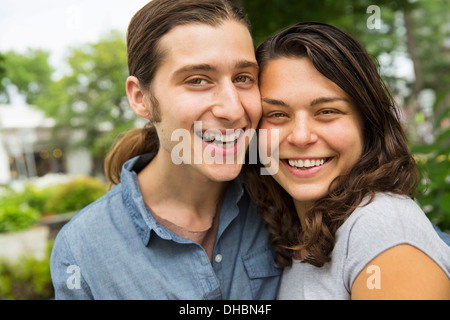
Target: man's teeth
305	164
221	138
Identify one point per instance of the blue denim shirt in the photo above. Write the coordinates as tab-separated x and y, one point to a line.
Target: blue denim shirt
115	249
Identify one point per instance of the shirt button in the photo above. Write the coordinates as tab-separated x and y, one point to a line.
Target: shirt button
218	258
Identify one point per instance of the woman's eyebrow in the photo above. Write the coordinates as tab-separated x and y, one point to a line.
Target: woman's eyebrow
275	102
321	100
326	100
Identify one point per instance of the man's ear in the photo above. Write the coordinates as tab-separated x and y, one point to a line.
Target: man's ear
137	98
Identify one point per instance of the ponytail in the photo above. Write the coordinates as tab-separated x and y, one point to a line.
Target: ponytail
133	143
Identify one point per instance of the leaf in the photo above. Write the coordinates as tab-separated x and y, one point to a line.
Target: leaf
444	202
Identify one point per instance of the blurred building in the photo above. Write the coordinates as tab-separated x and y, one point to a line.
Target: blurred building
29	148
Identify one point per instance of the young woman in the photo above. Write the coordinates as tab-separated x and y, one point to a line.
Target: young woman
340	208
177	225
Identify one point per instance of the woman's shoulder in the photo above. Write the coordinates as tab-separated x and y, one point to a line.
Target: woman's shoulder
388	210
389	218
385	222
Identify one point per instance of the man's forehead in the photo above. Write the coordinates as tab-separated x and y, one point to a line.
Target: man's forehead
203	47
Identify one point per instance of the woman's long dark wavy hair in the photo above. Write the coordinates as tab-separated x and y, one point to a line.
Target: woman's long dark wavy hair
386	164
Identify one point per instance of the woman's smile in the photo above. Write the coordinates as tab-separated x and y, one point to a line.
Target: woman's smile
306	168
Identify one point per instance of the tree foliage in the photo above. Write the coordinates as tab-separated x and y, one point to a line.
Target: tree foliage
91	95
418	30
29	72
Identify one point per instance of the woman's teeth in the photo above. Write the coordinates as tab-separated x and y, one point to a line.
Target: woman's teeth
306	164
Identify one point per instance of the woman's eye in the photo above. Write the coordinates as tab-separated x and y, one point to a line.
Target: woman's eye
277	115
328	112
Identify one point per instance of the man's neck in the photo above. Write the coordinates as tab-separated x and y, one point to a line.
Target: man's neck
179	194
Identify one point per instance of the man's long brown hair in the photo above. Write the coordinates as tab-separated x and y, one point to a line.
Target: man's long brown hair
386	165
145	56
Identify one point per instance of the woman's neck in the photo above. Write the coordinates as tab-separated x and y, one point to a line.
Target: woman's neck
302	208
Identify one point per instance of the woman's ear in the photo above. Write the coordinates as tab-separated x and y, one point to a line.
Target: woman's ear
136	97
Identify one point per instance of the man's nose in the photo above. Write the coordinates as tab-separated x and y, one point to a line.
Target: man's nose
228	104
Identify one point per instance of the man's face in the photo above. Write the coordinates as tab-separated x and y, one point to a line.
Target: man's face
207	86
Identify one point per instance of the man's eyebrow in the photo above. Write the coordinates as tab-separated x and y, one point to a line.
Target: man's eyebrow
195	67
208	67
246	64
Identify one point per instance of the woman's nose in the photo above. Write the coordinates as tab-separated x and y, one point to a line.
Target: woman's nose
303	131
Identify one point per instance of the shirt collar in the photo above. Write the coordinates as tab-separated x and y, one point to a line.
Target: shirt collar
141	216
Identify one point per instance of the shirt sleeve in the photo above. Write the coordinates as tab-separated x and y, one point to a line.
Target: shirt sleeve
385	223
66	274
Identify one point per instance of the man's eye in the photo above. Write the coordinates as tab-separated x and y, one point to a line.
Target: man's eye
197	81
243	79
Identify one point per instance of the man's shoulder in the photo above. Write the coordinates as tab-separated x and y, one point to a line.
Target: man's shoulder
91	219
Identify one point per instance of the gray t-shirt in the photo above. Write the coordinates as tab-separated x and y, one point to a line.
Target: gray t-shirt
388	221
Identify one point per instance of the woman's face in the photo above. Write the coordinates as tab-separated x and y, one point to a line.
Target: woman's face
320	130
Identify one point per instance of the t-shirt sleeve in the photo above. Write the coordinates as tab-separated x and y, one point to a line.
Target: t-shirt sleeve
385	223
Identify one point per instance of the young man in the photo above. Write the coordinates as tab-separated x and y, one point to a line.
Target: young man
177	225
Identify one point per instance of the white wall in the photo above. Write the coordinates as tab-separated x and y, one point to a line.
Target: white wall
5	175
79	162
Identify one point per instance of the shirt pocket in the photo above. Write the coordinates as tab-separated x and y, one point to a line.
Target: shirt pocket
263	274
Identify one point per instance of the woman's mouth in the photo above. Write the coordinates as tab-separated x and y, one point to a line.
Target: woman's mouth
305	164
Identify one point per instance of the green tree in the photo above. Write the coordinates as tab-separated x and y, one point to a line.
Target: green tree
271	16
427	35
419	30
30	72
91	96
2	75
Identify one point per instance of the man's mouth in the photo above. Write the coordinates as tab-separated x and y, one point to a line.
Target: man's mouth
219	138
305	164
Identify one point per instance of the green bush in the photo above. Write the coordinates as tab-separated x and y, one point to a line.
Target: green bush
434	189
74	195
26	279
16	213
35	197
434	161
29	277
20	210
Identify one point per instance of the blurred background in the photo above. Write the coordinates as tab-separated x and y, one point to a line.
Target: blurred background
62	103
